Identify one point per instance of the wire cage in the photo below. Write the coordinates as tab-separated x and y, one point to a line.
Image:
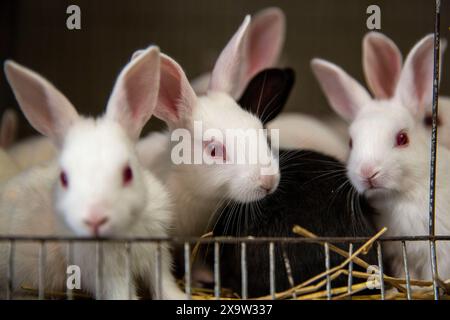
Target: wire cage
320	286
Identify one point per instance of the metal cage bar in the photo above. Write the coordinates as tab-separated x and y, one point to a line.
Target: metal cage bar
216	270
350	269
381	270
327	267
272	269
128	269
287	265
99	270
10	270
158	272
70	261
434	137
407	276
41	270
244	275
187	270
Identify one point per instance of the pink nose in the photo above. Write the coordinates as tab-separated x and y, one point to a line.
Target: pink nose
268	182
94	222
369	173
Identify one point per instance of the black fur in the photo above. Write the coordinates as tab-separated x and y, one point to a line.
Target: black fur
267	93
315	193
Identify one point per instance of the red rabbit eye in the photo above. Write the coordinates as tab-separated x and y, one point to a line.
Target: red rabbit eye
127	175
402	139
63	179
215	149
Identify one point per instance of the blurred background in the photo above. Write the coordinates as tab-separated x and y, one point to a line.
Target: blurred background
84	63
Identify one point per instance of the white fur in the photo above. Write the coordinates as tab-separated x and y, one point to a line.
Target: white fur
32	151
8	167
401	195
306	132
93	155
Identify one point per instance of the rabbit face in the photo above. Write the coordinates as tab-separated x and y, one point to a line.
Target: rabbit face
384	143
94	201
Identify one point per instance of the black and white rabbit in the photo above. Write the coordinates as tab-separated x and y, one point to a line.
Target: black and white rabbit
314	192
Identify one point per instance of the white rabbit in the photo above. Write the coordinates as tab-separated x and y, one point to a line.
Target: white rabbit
96	188
8	128
199	189
382	64
390	157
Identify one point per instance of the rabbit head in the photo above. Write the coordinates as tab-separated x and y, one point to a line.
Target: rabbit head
382	65
388	141
225	135
100	190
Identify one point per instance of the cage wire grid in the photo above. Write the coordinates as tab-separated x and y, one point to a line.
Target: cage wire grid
189	242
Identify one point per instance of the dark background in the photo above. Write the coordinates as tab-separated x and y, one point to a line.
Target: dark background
83	63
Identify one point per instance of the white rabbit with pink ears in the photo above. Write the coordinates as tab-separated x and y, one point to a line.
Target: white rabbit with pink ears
200	189
96	187
382	65
390	156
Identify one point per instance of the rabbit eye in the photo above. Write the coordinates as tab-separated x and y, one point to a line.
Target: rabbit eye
127	175
215	149
350	143
402	139
428	121
63	179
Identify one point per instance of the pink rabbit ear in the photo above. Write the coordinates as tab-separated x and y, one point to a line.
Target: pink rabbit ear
261	49
135	93
266	39
345	95
176	98
382	64
229	71
47	109
415	87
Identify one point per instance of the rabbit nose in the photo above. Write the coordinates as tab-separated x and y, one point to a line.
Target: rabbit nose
268	182
369	173
95	221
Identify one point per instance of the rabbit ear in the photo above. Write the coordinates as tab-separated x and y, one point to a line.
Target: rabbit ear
47	109
343	93
176	98
415	87
228	73
133	98
382	64
260	50
8	128
265	40
267	93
